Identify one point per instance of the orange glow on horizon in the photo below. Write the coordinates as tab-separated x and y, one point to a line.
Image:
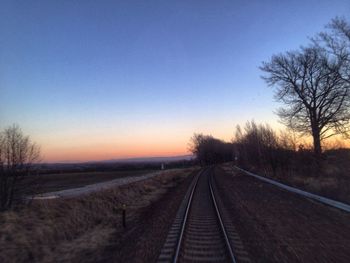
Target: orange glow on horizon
95	144
107	152
94	156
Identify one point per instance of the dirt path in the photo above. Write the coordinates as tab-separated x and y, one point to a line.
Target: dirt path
278	226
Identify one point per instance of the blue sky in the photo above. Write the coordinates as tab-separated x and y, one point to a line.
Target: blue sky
106	79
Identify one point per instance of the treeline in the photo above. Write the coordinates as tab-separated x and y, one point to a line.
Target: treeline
260	147
256	147
209	150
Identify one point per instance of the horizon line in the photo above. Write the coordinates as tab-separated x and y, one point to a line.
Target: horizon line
115	159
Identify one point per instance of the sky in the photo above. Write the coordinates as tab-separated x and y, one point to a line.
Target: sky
95	80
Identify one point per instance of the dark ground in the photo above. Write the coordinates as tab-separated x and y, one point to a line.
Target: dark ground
279	226
54	182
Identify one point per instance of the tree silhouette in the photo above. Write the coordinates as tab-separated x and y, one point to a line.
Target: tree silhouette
17	154
209	150
315	94
336	41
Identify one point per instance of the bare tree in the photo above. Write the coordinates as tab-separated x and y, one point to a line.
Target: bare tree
315	95
195	146
209	150
259	146
336	41
17	154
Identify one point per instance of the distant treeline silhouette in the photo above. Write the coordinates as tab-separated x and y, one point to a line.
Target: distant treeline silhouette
258	147
209	150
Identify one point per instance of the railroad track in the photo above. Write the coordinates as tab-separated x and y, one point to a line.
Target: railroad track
198	233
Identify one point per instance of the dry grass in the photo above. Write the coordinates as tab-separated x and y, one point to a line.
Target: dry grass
80	228
332	180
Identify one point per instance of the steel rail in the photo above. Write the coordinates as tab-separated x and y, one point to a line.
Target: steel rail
176	256
228	245
184	222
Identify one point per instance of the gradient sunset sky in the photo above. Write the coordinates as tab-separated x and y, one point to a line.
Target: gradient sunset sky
93	80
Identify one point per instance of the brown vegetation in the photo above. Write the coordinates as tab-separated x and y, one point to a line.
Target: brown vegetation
80	228
17	154
334	178
259	149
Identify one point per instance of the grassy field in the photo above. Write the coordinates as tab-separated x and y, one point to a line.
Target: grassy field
69	230
54	182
